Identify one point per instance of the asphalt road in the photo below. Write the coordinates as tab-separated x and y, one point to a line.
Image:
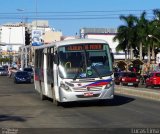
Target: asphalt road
21	107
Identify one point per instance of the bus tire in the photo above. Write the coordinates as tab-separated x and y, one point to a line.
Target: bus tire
152	86
57	103
42	97
136	85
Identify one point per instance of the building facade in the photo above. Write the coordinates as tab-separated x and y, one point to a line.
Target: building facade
16	40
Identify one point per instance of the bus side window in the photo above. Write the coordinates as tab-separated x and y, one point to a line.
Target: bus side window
55	59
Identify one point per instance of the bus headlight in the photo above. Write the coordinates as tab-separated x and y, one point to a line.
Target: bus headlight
65	87
109	85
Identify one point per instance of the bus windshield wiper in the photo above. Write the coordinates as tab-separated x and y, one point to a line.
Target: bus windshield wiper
95	69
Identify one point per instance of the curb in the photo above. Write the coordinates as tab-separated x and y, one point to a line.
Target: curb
138	92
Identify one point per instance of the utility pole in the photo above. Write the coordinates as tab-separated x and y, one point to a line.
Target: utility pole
10	47
23	52
36	12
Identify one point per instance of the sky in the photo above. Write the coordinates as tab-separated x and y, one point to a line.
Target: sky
70	16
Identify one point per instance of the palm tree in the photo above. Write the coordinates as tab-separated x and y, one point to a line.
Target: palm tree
126	34
156	31
156	12
153	35
152	28
142	32
144	29
135	33
121	36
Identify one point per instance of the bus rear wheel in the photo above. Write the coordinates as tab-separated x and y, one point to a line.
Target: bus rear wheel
42	97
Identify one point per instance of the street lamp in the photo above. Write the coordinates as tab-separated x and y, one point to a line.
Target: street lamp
151	36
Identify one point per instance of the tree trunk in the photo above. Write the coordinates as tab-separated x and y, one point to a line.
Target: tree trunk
140	51
153	53
131	53
149	54
125	55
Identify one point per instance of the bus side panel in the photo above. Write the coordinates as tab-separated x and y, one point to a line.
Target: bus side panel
56	85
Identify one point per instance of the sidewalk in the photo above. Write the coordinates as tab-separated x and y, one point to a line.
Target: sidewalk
153	94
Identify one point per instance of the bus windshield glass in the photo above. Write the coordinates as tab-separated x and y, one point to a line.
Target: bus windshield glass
84	61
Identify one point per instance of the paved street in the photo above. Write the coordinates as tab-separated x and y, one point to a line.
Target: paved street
21	107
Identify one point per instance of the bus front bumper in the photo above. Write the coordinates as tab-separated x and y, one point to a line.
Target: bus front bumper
66	96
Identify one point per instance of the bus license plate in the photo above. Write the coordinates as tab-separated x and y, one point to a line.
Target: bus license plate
88	94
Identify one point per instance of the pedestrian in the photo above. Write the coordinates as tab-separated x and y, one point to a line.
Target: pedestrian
9	71
134	69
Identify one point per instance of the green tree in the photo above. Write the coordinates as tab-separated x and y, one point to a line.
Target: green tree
156	31
121	36
134	34
126	34
142	32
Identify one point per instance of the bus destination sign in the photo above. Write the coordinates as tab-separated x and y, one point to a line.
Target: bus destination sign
84	47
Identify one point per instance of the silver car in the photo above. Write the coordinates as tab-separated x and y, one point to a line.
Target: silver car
3	72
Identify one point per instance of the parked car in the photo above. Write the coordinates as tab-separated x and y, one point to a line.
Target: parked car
5	67
127	78
29	70
22	77
3	71
153	79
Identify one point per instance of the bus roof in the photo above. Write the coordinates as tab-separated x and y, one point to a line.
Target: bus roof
71	41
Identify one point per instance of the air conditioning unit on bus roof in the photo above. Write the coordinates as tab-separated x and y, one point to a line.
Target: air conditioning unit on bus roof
69	38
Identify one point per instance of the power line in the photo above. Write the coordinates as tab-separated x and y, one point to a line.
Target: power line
65	18
76	12
78	15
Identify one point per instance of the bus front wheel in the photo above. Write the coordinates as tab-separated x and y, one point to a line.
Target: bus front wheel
57	103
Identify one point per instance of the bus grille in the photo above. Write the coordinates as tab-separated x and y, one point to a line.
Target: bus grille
83	89
82	96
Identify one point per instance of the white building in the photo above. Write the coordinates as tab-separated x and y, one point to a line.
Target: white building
11	38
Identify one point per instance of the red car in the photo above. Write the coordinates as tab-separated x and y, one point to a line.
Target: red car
153	79
127	78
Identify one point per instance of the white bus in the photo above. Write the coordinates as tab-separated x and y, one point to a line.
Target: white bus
74	70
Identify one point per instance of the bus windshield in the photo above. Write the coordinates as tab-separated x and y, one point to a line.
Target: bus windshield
84	61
